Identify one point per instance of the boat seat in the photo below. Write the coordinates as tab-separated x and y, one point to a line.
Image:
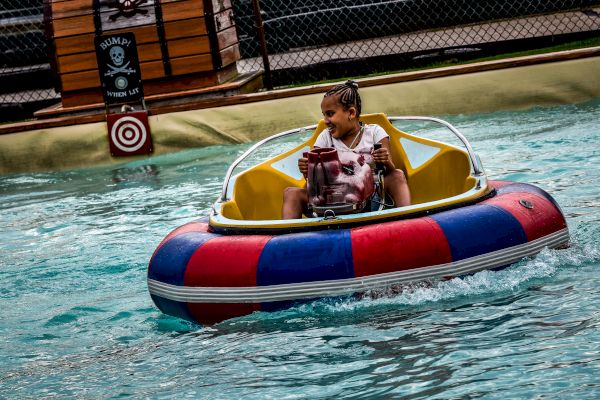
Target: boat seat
434	171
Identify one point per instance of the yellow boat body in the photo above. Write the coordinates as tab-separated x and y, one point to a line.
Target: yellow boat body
440	176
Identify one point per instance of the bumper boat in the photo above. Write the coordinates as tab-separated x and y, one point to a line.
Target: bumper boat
243	257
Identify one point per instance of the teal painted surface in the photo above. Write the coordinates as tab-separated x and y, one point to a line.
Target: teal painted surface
77	320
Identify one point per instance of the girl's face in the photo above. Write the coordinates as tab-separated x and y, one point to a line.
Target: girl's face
339	121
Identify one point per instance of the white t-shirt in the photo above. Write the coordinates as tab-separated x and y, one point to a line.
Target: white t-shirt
372	134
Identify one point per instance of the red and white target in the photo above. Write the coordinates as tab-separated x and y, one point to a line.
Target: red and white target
129	134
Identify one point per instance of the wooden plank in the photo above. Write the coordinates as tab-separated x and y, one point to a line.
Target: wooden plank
152	70
187	9
230	55
74	44
185	28
80	80
66	9
149	52
189	46
227	38
73	26
187	65
76	63
79	98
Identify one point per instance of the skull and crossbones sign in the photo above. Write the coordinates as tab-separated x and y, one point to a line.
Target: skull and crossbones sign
127	8
117	55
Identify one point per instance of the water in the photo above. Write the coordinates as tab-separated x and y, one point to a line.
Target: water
77	320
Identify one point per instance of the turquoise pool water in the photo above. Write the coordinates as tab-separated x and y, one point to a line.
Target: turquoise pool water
77	320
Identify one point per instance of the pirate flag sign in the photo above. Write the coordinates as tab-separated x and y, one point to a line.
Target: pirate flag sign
119	68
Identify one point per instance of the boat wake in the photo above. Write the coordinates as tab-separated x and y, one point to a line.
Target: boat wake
481	287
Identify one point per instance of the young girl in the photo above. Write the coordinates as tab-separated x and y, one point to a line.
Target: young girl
341	107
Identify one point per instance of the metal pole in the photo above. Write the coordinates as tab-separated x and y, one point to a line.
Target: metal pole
260	32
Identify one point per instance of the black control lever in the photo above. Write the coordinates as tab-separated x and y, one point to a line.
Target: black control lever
378	166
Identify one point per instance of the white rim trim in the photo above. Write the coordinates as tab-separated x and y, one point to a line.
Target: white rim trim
306	290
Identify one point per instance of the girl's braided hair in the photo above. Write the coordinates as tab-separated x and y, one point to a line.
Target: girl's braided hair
347	95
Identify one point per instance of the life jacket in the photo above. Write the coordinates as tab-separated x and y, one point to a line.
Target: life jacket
341	182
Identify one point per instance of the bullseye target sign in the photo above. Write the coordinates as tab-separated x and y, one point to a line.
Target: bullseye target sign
129	133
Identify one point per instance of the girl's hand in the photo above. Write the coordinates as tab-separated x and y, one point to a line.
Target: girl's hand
381	155
384	156
303	166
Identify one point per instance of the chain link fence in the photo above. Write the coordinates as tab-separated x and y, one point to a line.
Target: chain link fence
25	76
309	40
